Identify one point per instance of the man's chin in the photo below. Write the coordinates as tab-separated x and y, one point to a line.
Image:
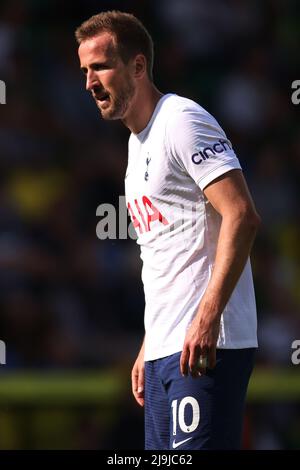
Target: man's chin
105	113
109	114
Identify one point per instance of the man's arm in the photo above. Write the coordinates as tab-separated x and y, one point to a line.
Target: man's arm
138	377
230	197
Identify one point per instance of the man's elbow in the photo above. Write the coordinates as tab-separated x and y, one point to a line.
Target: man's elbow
250	220
243	218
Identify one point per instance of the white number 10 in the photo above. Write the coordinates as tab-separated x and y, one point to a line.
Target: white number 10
180	412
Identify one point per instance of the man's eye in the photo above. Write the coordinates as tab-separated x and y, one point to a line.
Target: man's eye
100	67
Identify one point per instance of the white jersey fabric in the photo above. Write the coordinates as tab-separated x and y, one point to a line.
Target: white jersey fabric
170	162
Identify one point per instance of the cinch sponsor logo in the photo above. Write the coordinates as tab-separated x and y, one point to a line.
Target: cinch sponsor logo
207	152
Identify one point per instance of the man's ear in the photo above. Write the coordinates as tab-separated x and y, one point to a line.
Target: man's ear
140	65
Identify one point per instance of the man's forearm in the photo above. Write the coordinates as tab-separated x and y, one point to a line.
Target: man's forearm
234	245
142	348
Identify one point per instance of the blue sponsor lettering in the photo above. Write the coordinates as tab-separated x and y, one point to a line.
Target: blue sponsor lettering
208	152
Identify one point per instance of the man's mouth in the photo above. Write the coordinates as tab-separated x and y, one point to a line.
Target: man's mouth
102	97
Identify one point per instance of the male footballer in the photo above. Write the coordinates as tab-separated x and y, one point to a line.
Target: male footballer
196	222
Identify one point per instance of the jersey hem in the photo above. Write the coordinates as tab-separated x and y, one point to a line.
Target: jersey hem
170	351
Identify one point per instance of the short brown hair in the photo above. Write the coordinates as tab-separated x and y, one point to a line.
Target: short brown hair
132	38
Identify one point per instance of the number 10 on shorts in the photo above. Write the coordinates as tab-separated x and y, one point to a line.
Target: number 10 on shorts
178	410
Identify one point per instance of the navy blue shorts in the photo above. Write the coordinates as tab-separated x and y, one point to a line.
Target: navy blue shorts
206	412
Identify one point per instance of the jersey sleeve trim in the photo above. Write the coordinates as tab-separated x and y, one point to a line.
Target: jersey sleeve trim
219	171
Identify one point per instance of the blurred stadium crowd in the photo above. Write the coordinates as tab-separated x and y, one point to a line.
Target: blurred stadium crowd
69	300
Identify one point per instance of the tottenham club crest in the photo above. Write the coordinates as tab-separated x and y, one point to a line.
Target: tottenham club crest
148	160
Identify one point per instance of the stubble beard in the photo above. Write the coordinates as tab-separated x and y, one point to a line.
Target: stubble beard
119	104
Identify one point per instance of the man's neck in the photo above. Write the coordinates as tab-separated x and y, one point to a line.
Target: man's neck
142	108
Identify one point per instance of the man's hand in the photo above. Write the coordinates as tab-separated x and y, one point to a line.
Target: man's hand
200	342
138	377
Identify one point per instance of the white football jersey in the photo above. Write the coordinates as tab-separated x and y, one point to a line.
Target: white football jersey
170	162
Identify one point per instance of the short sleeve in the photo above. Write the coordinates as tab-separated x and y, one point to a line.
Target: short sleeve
200	146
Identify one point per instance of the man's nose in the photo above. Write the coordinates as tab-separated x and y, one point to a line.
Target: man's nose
91	80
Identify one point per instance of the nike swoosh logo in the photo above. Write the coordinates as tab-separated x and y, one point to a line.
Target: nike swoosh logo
177	444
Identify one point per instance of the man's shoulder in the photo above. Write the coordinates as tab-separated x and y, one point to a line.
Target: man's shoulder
176	104
182	113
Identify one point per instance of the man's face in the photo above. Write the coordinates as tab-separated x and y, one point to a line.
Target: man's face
107	77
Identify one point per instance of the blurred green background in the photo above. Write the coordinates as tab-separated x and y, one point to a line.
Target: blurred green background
71	306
